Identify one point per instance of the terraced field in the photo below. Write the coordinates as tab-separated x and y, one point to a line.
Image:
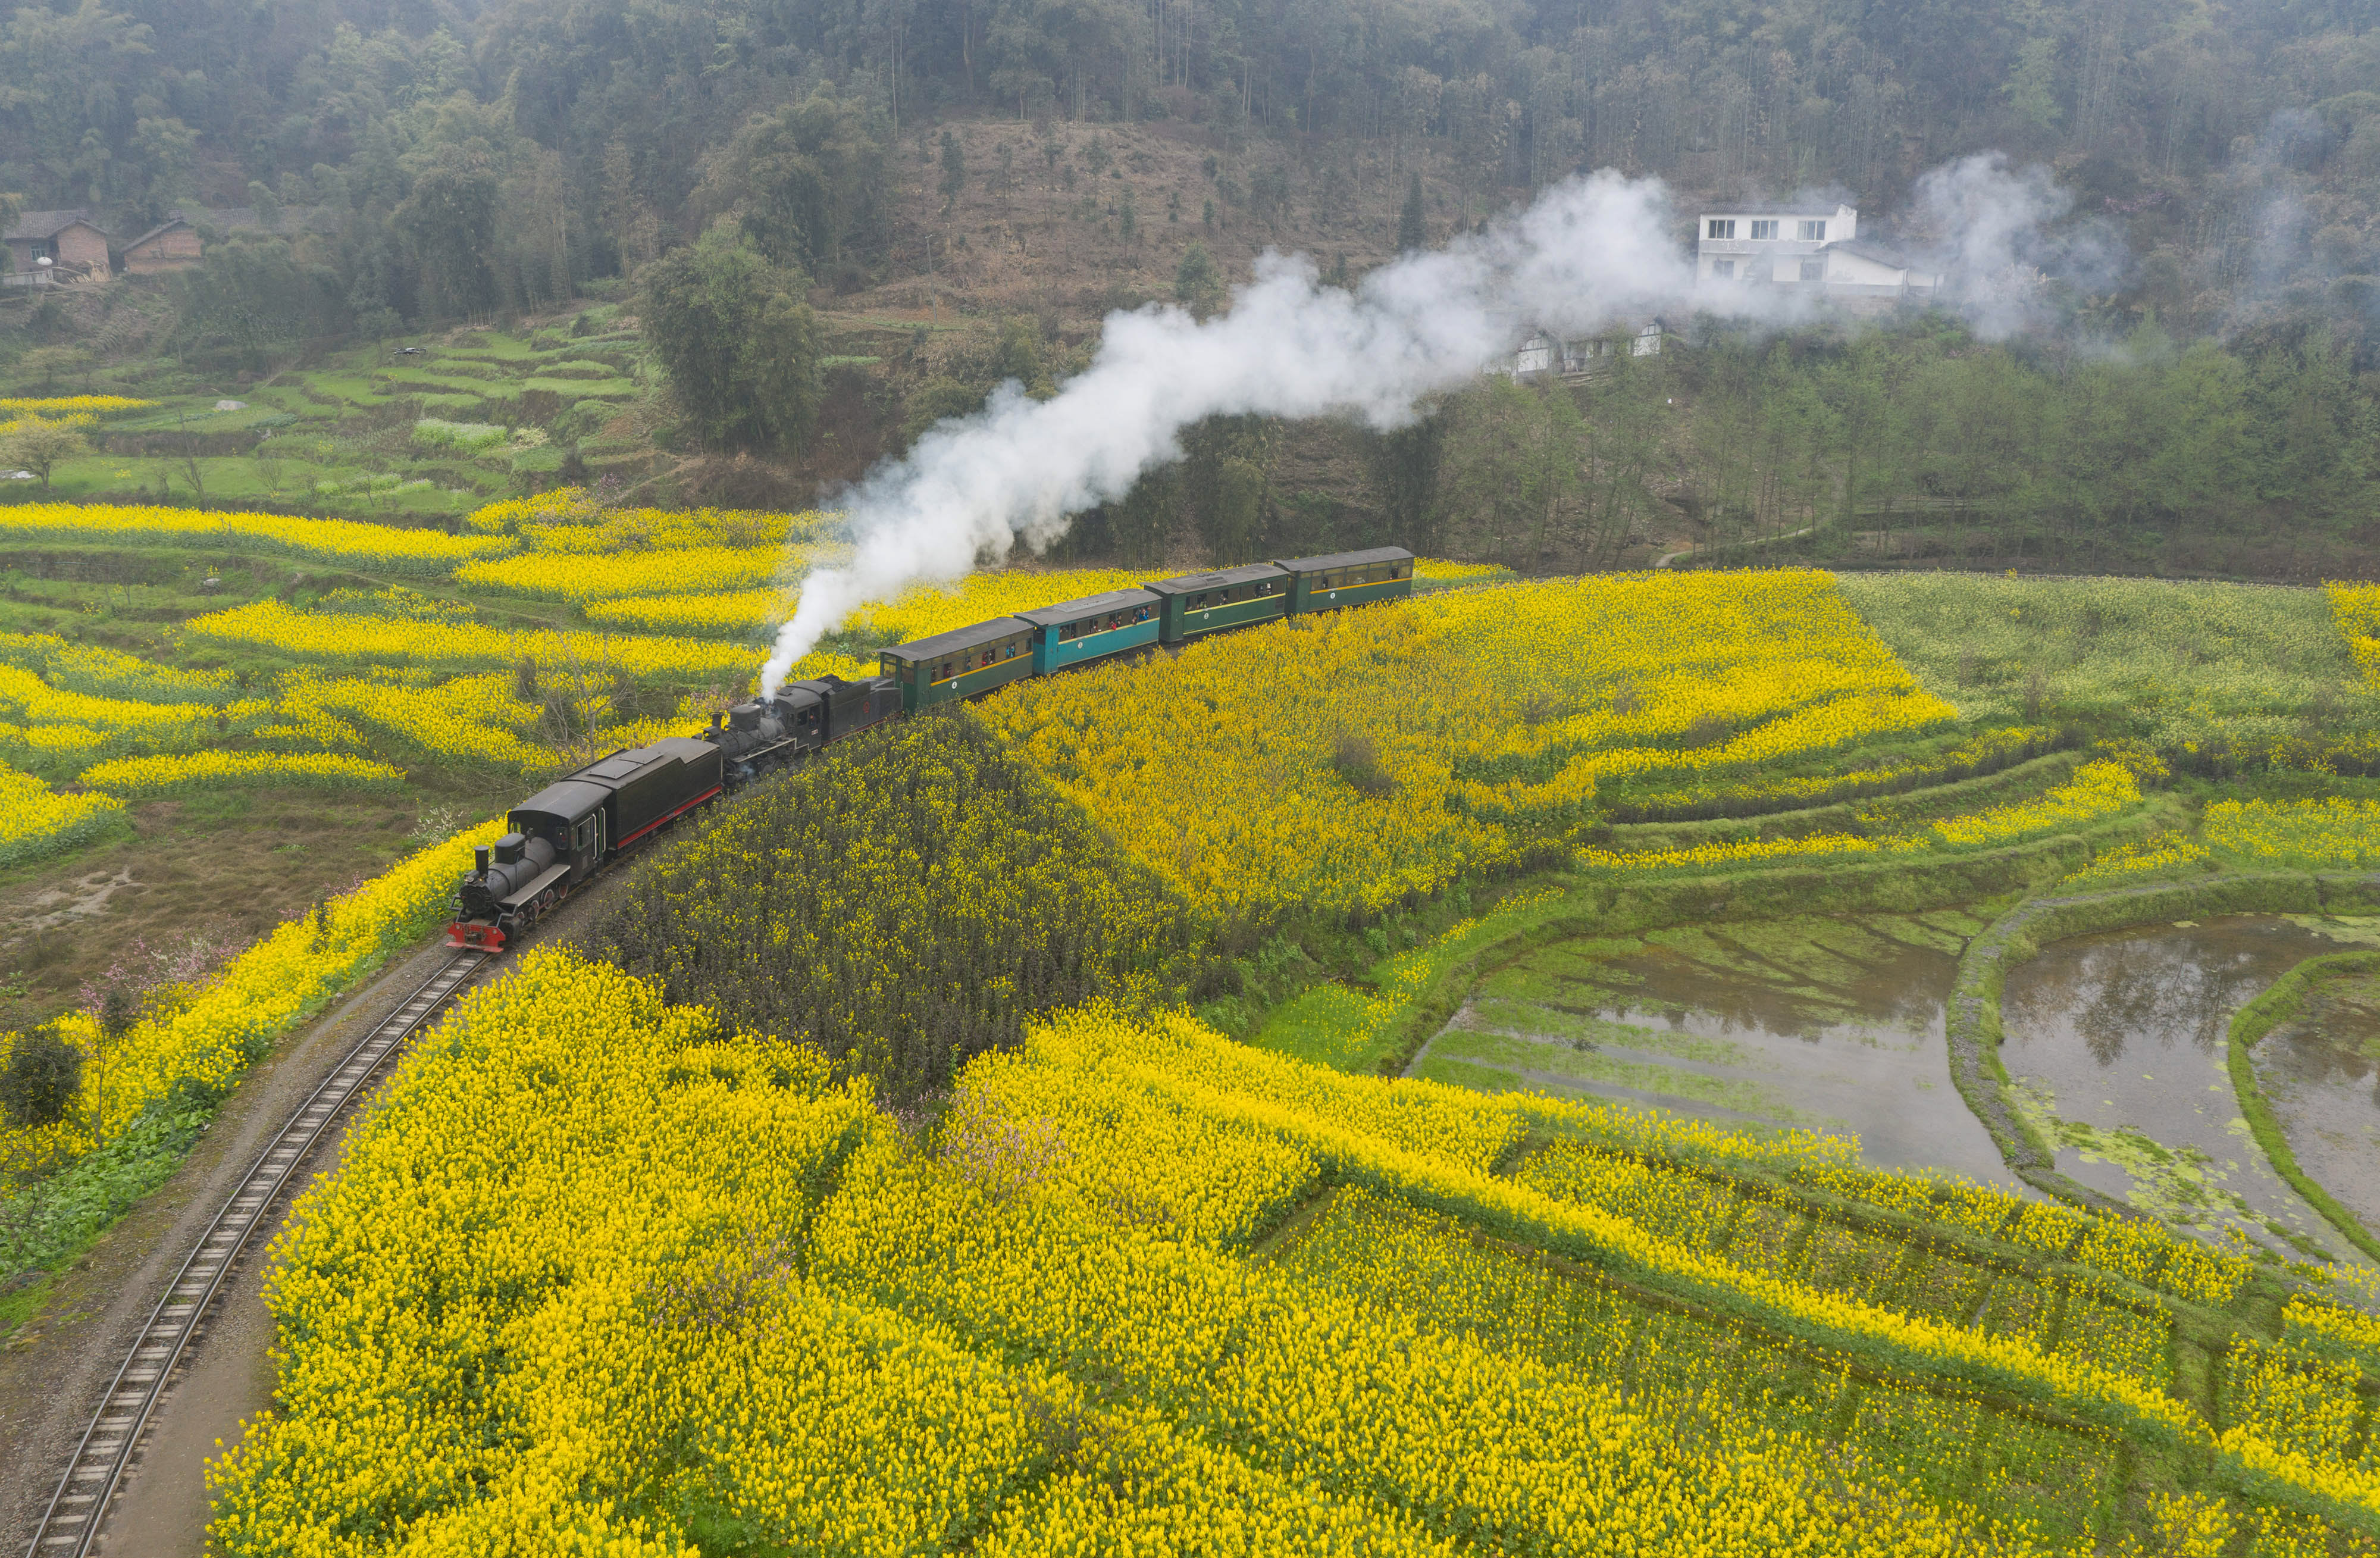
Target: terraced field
1559	1065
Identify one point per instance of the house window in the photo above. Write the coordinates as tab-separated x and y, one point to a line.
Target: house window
1723	270
1722	227
1813	232
1814	269
1763	229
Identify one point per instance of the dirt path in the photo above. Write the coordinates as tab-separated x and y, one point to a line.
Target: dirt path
54	1373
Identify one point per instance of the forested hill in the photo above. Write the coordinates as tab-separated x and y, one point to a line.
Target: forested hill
498	153
811	230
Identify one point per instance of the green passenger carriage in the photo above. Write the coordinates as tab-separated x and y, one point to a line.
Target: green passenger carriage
966	660
1091	628
961	662
1348	579
1196	604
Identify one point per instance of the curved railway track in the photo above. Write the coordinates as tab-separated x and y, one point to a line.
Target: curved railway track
70	1525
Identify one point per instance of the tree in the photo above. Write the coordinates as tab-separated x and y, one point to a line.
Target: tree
1412	224
807	182
1018	356
37	446
449	221
1404	467
738	342
954	172
1199	282
252	293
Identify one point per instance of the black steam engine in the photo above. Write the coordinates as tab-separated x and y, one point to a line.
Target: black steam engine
575	826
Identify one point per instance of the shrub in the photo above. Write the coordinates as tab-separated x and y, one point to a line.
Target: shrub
462	438
41	1079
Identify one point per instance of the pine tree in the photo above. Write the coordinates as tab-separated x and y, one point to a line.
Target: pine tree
1413	227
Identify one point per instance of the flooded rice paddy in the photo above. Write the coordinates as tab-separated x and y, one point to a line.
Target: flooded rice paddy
1824	1023
2117	1044
2321	1073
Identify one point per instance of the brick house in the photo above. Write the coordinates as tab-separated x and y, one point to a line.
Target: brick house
76	246
169	246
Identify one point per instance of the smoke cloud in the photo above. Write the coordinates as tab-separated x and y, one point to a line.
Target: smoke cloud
1596	250
1988	228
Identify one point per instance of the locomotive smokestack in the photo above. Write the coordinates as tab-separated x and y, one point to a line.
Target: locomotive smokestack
480	859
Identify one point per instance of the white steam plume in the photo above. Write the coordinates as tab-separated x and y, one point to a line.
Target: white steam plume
1592	250
1985	225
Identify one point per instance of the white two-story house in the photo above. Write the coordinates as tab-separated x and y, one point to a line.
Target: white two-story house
1810	246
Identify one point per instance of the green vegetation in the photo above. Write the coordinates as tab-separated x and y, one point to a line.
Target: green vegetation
966	898
412	428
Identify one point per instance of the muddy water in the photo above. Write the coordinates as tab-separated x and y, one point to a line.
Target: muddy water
2118	1046
2322	1074
1826	1023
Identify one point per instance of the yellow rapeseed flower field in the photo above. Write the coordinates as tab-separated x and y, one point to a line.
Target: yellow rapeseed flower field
341	640
2330	834
601	1267
355	544
732	613
175	773
105	672
1354	759
71	405
36	821
606	576
204	1039
146	726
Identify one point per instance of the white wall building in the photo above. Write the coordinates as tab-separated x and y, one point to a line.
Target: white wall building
1803	246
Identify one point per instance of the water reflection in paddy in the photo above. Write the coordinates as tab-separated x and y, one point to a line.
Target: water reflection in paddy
2117	1044
1826	1023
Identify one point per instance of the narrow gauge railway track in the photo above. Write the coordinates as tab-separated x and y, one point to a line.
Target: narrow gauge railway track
70	1526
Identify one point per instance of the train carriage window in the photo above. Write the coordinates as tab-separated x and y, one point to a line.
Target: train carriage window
1198	602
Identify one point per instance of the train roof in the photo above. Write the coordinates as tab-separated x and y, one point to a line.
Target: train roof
1344	559
959	638
568	797
1090	605
1189	584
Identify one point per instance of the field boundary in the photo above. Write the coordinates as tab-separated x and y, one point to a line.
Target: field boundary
2250	1023
2018	936
1894	883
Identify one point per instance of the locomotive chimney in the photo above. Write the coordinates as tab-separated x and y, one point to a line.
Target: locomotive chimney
480	859
715	718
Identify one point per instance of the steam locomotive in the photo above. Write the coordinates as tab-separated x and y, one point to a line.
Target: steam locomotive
572	829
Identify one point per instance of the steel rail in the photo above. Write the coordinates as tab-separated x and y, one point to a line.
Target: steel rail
77	1510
